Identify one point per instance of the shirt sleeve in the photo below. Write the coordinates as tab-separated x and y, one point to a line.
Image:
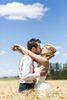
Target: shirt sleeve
27	75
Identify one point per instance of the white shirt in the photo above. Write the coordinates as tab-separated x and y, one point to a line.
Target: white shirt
26	70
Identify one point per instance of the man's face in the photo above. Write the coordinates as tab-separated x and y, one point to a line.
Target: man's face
38	49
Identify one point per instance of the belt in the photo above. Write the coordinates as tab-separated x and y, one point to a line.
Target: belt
26	83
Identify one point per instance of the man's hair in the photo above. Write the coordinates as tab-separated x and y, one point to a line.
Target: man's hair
33	43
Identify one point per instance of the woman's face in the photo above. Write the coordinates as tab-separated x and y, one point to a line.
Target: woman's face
44	51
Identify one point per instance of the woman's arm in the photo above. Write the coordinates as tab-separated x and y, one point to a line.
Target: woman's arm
16	48
37	58
20	51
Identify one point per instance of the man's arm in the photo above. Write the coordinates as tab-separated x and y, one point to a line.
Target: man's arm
27	75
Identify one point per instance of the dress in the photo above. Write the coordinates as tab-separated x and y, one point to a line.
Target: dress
40	84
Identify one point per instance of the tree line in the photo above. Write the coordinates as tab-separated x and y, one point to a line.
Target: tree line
57	71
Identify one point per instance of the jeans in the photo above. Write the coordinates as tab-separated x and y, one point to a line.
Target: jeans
25	86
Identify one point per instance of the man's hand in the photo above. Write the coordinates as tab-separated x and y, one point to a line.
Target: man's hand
43	71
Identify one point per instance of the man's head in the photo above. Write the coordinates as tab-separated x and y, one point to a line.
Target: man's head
34	45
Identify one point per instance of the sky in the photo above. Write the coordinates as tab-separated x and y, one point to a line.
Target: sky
21	20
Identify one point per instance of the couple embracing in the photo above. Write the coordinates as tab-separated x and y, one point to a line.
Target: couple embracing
30	77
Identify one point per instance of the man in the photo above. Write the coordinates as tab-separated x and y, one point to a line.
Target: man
27	74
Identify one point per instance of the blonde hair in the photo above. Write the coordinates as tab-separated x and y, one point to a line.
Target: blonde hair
51	51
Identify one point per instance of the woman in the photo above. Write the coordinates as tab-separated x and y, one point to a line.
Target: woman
47	52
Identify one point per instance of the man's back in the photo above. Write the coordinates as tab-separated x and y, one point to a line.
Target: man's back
26	68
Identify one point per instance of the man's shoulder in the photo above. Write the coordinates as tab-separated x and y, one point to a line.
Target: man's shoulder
26	57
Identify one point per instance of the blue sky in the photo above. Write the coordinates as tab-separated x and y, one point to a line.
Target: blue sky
21	20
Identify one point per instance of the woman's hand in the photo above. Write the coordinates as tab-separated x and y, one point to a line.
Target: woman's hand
15	47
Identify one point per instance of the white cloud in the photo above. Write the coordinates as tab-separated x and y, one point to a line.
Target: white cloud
19	11
5	64
51	61
8	72
3	52
65	35
65	54
57	53
3	41
58	47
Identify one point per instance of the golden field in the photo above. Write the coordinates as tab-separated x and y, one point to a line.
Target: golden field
9	91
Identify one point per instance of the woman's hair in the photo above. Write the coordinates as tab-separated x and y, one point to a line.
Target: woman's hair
51	51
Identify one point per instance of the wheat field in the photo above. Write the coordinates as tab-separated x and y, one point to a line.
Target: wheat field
9	91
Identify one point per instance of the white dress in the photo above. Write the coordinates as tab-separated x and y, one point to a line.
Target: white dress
40	84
